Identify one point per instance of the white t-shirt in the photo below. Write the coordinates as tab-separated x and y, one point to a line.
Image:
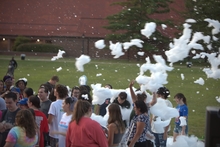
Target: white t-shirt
169	104
63	126
57	111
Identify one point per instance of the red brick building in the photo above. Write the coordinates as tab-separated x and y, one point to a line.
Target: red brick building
75	25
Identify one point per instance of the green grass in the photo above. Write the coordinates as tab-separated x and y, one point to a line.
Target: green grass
40	69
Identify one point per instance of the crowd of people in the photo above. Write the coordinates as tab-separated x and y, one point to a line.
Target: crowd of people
54	118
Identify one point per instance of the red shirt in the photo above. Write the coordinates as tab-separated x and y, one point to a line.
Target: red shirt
41	121
88	133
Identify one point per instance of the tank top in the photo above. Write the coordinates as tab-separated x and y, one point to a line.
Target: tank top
118	136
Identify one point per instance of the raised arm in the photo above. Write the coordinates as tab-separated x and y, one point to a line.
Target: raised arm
133	96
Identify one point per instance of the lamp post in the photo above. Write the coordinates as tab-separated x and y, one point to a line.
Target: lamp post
83	36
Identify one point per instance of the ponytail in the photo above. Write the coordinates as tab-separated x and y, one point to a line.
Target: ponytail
181	96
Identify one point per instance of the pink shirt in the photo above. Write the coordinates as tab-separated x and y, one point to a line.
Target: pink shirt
88	133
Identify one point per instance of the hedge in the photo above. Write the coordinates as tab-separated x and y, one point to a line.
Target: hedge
33	47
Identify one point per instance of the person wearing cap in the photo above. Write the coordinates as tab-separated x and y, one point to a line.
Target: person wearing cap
9	87
21	84
161	137
8	82
23	103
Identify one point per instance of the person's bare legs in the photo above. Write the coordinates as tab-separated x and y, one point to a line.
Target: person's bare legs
174	136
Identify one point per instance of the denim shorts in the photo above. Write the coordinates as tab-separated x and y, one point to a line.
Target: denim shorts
178	129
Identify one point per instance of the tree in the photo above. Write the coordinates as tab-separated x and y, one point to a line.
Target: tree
200	10
126	24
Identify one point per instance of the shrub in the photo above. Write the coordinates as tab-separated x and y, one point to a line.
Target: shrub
20	40
33	47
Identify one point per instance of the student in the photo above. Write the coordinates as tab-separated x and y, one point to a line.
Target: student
75	92
8	116
43	95
25	132
82	130
139	126
183	112
161	137
28	92
116	127
68	106
23	103
40	118
101	109
55	112
21	84
122	100
51	85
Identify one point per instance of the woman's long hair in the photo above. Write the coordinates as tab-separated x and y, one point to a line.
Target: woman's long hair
141	105
25	119
80	109
181	96
115	116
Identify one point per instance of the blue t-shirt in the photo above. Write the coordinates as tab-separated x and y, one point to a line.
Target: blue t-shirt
183	111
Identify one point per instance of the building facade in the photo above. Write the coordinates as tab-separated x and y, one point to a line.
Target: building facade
74	25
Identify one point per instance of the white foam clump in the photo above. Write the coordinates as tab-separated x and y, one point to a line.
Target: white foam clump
215	24
190	20
100	94
81	61
160	125
149	29
140	53
158	75
100	44
163	26
200	81
136	42
59	69
116	49
214	71
181	47
218	99
98	75
58	56
185	141
182	76
163	111
100	119
182	121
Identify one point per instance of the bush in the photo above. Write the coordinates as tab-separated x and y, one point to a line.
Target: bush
20	40
33	47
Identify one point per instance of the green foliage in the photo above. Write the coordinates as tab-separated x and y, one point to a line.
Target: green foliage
200	10
20	40
126	24
34	47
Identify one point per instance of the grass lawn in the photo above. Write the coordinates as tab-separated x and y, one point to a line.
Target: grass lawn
118	73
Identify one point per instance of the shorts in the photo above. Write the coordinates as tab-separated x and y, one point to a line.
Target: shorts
177	129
